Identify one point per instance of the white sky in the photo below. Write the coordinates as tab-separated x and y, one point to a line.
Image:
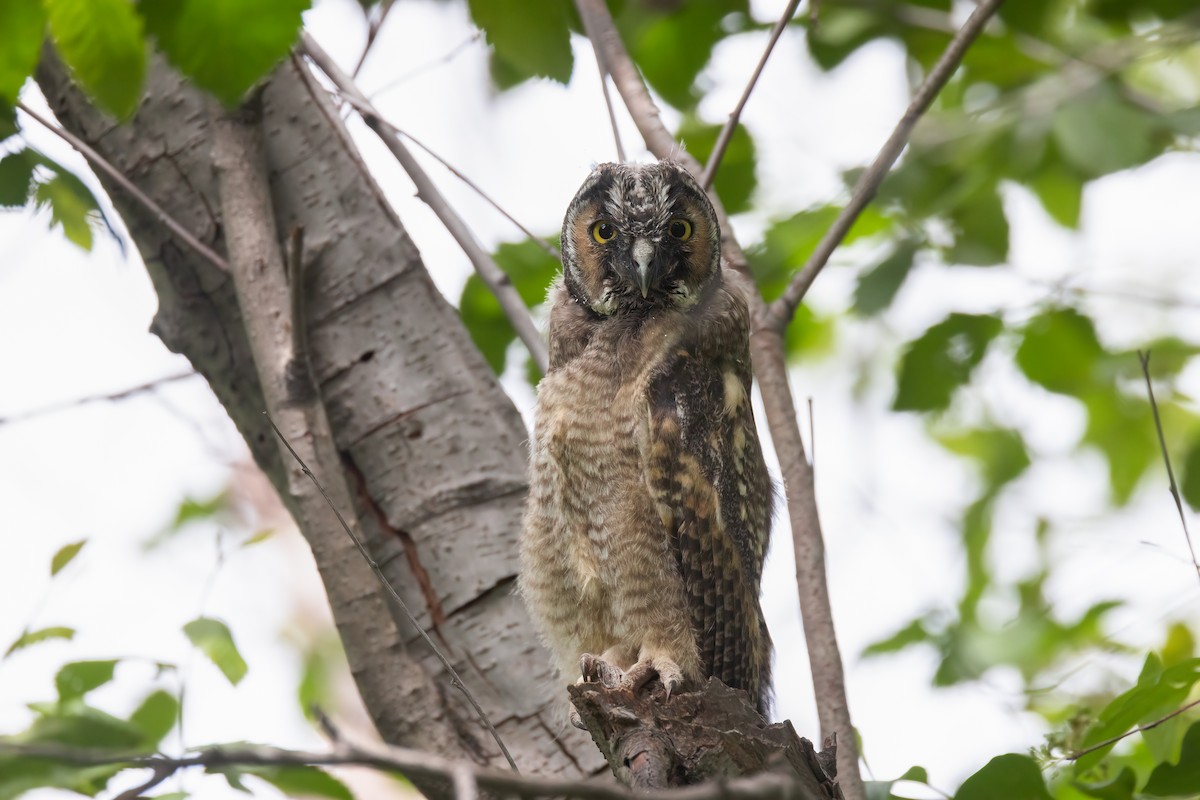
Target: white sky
75	324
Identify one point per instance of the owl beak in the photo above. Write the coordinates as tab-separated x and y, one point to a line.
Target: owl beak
643	256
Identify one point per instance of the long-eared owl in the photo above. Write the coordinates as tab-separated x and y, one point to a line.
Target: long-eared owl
650	504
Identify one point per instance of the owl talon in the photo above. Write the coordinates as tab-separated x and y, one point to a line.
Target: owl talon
647	669
595	669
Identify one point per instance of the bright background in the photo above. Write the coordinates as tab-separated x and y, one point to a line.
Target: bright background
74	325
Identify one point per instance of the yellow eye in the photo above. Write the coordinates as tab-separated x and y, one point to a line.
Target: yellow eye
604	232
681	229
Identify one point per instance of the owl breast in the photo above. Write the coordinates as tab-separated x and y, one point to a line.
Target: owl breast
586	454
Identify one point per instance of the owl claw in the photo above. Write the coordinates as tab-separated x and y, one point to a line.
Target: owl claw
595	669
645	670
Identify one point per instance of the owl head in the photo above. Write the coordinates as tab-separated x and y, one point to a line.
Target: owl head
639	237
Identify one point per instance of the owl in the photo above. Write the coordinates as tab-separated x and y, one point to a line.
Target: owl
649	504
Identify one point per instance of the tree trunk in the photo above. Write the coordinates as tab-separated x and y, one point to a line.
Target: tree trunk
431	447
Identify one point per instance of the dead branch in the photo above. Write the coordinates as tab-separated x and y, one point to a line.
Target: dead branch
655	742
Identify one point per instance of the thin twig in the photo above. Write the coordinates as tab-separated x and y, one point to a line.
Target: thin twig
1078	754
373	28
726	135
495	278
158	212
437	62
455	679
161	773
602	66
1144	357
539	241
121	394
780	312
421	766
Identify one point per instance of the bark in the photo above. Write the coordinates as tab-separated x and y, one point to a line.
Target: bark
654	742
431	448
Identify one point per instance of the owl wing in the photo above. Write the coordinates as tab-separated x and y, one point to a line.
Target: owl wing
706	475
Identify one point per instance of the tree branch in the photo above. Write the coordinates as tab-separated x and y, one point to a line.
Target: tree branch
1078	754
257	268
423	769
726	135
373	28
121	394
780	312
495	278
487	198
1144	357
158	212
652	741
456	679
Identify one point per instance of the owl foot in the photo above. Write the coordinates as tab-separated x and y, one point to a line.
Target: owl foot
650	667
597	669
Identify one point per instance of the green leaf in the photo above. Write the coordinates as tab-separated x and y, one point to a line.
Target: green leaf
79	725
22	26
30	638
101	41
1061	194
941	360
300	781
1158	692
809	335
16	176
1181	778
65	555
877	287
20	774
672	48
1000	453
485	321
914	632
1119	787
212	637
980	230
735	180
190	511
1006	777
1122	428
76	679
531	270
529	38
1099	133
1190	483
71	206
841	31
156	716
225	46
789	243
1059	351
1179	646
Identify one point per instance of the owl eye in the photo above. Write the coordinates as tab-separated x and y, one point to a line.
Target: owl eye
681	229
604	232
